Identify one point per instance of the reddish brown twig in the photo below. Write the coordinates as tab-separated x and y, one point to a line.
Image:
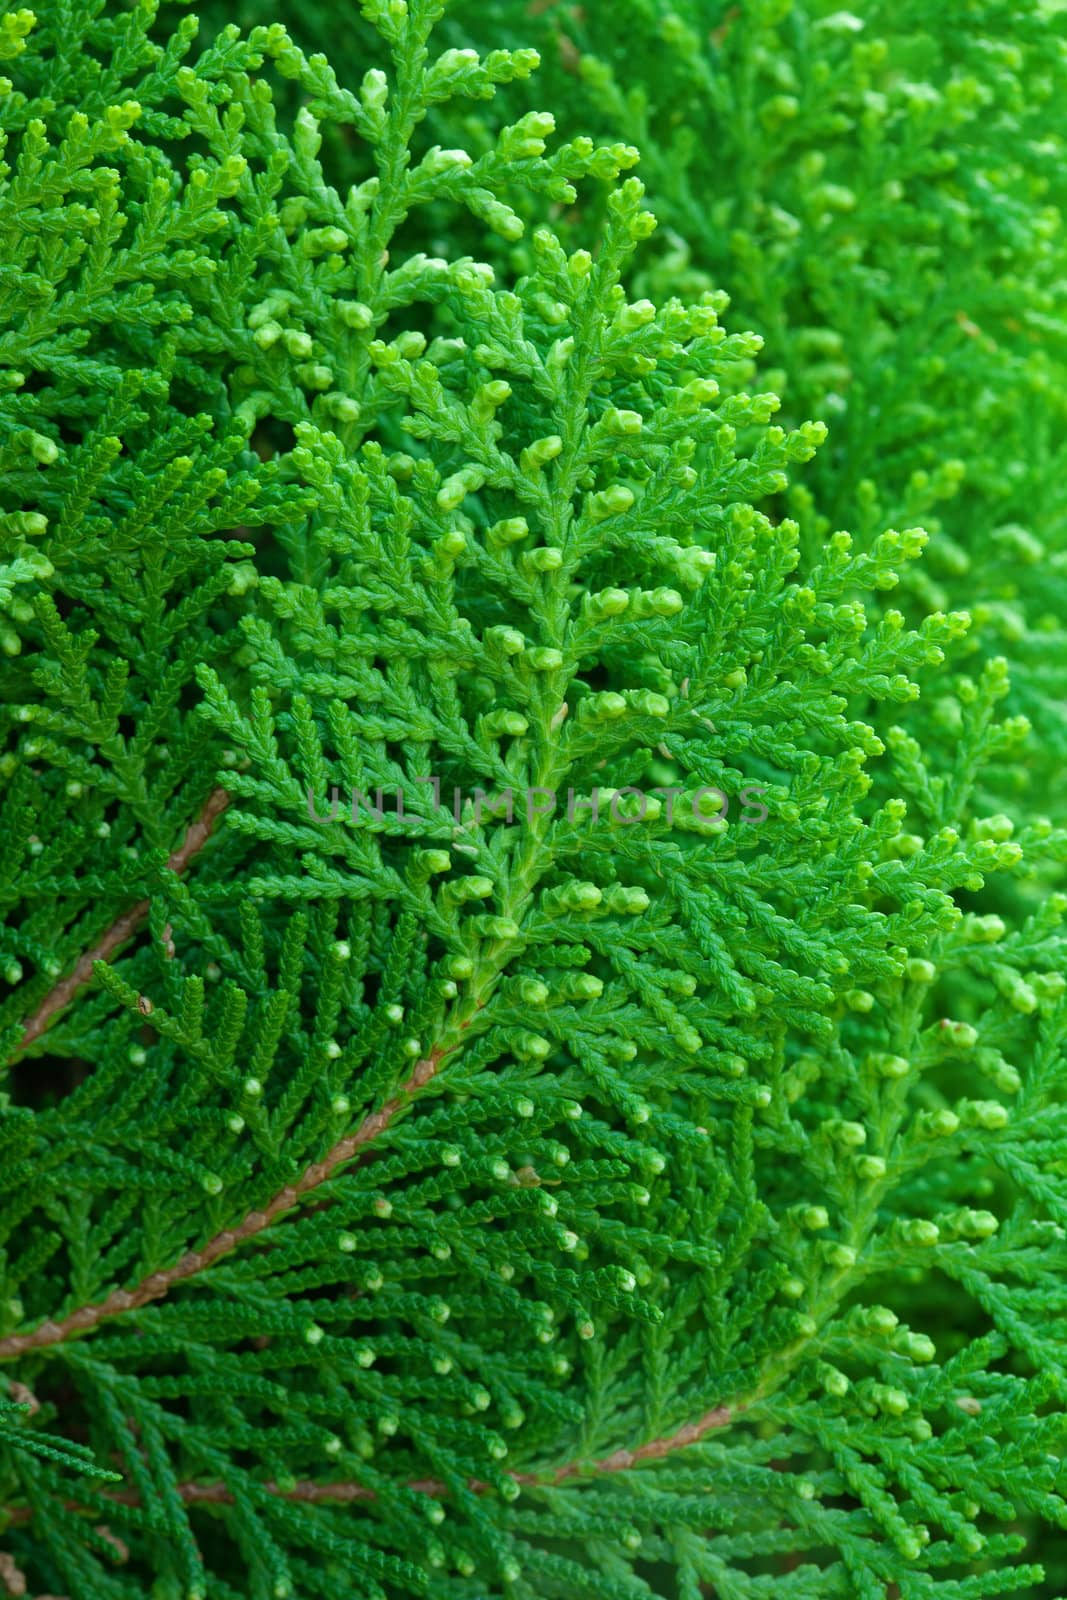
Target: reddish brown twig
193	1262
622	1460
309	1492
196	836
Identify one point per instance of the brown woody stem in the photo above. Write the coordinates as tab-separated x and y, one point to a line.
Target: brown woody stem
346	1493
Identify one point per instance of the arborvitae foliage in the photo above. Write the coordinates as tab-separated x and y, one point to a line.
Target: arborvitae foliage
881	193
511	1177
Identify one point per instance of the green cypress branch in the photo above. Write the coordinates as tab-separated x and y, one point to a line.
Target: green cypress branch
619	1154
125	926
193	1262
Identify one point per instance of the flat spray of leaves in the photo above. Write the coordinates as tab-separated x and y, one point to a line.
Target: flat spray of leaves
530	1182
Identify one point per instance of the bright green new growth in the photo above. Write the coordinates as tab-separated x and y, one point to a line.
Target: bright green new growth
592	1197
881	192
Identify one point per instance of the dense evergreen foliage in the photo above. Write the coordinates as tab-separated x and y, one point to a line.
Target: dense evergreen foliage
533	977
